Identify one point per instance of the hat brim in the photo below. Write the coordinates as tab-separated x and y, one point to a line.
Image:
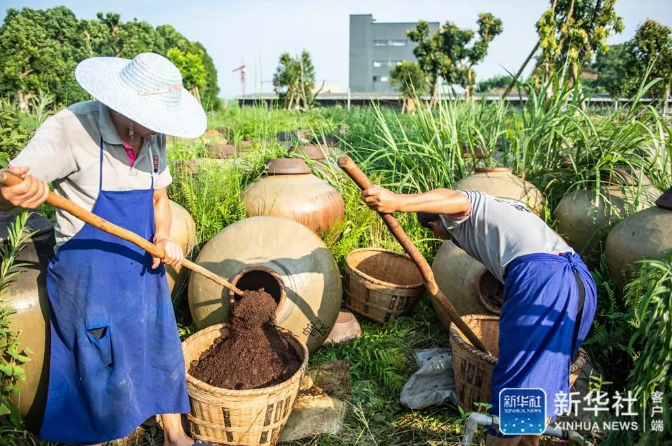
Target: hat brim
100	77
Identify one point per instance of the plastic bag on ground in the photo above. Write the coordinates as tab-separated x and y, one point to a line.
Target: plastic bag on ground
434	383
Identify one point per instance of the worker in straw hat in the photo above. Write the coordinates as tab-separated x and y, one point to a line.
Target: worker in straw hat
549	294
116	358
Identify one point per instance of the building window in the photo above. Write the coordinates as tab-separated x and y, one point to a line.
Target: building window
376	64
380	43
398	42
375	78
384	79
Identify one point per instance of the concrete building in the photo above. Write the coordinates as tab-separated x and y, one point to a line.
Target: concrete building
375	48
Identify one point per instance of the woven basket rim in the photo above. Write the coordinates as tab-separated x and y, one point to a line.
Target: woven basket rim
576	364
356	271
250	392
464	345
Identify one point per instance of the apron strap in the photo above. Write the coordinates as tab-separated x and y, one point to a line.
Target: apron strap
100	181
151	160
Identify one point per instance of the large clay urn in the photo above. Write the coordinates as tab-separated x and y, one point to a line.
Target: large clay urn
584	219
286	259
27	295
502	183
182	232
470	287
644	235
291	191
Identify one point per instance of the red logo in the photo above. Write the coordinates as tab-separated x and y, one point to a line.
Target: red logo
156	163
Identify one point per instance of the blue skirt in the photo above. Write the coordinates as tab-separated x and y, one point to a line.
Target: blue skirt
536	325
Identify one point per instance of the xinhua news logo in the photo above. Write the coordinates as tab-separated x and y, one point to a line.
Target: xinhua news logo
522	411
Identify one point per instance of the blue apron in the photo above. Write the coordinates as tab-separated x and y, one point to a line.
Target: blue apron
116	357
537	325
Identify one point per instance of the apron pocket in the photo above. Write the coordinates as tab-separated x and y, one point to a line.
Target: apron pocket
99	336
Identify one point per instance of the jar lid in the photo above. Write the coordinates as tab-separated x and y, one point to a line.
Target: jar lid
492	169
220	150
312	151
665	200
287	166
326	140
480	152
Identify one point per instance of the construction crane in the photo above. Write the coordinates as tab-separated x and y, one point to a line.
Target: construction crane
242	75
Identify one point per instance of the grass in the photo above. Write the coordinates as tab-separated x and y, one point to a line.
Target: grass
550	142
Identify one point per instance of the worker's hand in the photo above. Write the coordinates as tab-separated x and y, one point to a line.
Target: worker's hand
382	200
174	254
28	194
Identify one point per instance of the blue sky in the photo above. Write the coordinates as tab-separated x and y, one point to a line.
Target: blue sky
258	31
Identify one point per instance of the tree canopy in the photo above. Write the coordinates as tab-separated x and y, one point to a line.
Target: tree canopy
450	53
294	80
409	79
571	31
39	50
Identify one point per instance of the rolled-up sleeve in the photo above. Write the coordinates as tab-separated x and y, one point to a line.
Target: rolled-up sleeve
453	221
48	154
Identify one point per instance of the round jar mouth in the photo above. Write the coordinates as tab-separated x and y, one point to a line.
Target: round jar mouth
490	292
256	277
287	166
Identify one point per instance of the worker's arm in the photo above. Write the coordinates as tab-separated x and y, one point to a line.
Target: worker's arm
437	201
162	219
28	194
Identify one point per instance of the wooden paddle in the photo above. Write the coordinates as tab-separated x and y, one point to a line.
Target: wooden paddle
360	178
7	178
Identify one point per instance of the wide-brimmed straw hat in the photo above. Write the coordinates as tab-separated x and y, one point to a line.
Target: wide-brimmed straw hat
147	89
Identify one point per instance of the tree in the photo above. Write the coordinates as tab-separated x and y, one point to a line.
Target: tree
192	69
570	32
409	79
39	50
294	80
454	50
614	68
428	54
499	82
489	27
652	48
446	53
210	95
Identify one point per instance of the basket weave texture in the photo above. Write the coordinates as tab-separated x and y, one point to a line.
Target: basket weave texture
238	417
473	368
381	284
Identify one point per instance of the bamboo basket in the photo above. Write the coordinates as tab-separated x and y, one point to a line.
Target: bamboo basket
238	417
473	368
381	284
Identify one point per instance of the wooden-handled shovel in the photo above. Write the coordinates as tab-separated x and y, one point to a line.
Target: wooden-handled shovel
360	178
7	178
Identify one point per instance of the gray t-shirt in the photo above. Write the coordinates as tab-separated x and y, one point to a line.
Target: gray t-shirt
496	231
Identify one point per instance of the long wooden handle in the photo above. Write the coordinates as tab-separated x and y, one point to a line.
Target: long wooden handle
360	178
7	178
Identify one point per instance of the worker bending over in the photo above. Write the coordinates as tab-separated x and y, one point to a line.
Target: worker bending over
549	294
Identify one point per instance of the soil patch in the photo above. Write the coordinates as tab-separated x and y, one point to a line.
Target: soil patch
255	355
